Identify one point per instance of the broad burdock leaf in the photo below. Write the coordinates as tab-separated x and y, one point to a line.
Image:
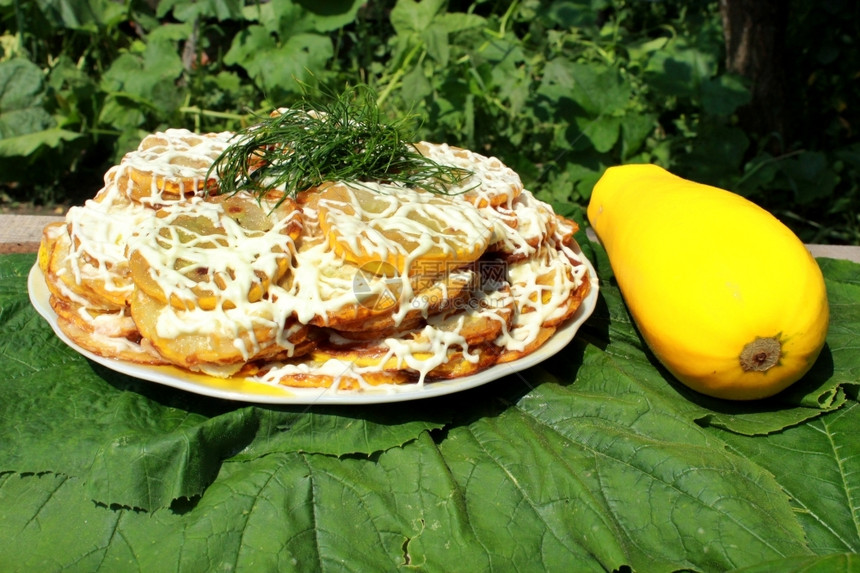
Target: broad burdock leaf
723	95
590	97
634	130
573	13
667	491
679	69
329	16
454	22
435	41
136	83
140	75
287	19
593	460
818	465
429	25
76	14
712	159
142	446
513	491
810	175
599	90
284	512
557	78
416	86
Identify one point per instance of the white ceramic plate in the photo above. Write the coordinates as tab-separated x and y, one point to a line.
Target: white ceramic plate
247	391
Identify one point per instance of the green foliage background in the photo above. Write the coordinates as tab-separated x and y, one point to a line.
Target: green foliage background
558	90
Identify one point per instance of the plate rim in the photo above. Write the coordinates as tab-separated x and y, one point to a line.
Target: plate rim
179	379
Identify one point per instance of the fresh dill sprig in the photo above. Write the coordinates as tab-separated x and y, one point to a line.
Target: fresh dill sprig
344	140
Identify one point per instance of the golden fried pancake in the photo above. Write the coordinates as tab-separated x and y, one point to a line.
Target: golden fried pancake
327	290
99	231
530	343
103	321
334	374
544	281
477	317
324	290
450	344
424	359
170	165
548	288
459	364
108	346
534	223
71	278
51	233
214	341
415	232
452	290
492	182
215	252
564	231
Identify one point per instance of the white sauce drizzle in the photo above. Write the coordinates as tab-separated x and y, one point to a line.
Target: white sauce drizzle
491	178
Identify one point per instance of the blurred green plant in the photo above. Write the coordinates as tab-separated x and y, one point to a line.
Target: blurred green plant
558	90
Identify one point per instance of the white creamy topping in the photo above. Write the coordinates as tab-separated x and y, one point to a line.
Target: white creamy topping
175	157
337	370
384	221
178	154
200	239
522	227
426	351
491	178
317	286
99	231
529	287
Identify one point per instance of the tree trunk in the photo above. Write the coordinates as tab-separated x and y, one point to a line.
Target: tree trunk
754	32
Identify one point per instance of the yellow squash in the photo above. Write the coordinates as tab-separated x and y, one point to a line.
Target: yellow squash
726	296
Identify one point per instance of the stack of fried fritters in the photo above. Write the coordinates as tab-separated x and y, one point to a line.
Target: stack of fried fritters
344	285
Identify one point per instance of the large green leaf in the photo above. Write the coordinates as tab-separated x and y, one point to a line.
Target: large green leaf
22	89
680	69
594	460
824	494
723	95
594	469
138	82
72	15
599	90
411	17
29	144
279	68
833	563
429	24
